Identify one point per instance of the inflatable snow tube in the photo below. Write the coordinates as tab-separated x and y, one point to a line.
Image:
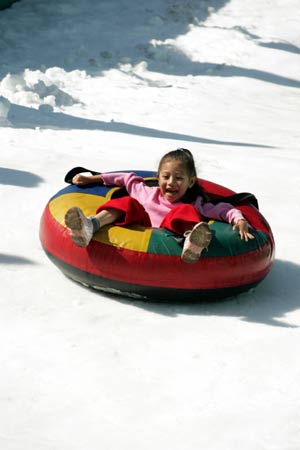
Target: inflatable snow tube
145	262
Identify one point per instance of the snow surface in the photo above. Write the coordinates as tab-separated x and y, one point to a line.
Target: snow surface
113	85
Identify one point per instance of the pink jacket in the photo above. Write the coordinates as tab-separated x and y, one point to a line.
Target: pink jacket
158	207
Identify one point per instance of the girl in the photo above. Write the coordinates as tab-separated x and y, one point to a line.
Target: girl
177	204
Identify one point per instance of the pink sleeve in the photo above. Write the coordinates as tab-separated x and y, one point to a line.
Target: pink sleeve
221	211
134	184
121	179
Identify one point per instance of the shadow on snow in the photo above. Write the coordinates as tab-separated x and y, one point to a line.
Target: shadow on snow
24	117
14	177
267	304
147	31
14	260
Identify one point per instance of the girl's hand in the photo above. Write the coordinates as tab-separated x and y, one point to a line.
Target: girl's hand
82	180
242	227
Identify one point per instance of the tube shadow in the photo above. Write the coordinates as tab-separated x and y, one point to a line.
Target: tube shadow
14	177
267	304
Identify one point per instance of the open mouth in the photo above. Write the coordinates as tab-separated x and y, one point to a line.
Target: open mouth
171	193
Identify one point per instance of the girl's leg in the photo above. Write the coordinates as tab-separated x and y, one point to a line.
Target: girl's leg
122	211
82	228
107	216
185	221
195	242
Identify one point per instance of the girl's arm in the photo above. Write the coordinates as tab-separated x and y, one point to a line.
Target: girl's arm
127	179
227	213
242	227
82	180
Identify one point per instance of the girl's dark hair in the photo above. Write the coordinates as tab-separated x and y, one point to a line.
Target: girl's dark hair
186	157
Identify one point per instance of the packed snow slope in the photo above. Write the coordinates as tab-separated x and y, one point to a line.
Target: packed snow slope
112	85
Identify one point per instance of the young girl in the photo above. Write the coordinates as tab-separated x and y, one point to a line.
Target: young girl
177	204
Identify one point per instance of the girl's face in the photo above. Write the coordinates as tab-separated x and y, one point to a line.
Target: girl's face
174	180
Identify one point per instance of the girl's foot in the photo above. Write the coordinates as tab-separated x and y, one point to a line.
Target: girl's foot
80	227
196	240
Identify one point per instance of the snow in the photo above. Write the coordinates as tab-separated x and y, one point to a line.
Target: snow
113	85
